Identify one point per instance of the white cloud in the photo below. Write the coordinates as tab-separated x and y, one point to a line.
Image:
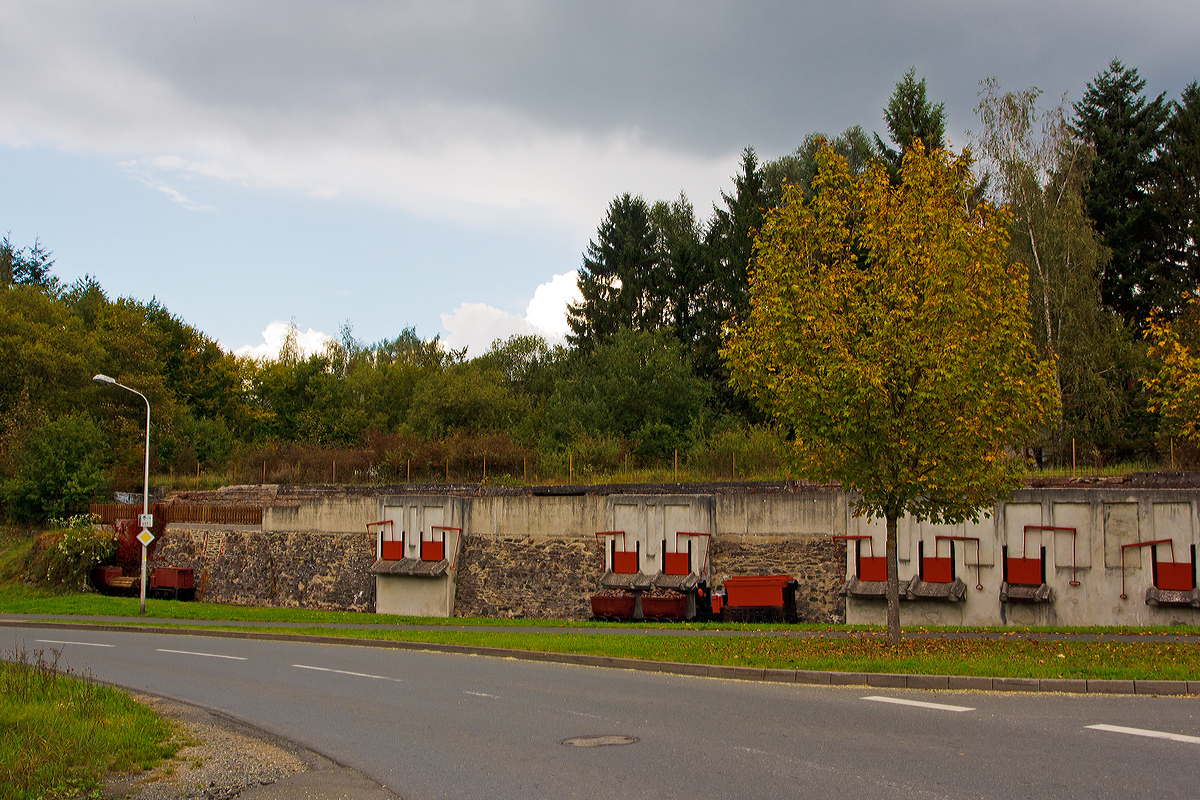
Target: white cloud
476	325
547	311
308	342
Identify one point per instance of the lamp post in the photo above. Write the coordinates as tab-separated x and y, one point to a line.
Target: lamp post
146	520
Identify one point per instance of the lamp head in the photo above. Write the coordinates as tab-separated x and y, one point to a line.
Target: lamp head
103	379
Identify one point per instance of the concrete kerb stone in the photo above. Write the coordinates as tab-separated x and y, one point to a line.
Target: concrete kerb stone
1069	685
1109	687
885	680
814	677
810	676
848	678
779	675
1160	687
736	673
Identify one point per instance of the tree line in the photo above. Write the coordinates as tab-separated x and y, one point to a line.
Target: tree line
1101	197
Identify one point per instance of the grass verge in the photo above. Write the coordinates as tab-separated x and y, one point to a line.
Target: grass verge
60	733
1156	659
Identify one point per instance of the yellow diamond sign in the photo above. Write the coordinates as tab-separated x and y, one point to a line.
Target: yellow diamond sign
145	537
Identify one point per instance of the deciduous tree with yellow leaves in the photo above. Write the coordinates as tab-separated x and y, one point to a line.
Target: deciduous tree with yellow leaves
890	331
1175	388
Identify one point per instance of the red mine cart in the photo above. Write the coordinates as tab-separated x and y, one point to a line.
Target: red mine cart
760	597
172	583
613	605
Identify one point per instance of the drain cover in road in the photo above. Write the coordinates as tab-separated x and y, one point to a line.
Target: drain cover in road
598	741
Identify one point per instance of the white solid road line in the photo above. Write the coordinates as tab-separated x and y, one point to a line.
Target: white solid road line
480	694
348	672
206	655
85	644
917	703
1174	737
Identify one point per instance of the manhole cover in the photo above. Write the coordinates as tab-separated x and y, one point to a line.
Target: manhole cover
598	741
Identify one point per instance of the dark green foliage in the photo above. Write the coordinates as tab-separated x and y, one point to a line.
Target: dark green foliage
1179	187
58	471
26	266
1125	132
910	116
619	279
465	398
800	167
631	387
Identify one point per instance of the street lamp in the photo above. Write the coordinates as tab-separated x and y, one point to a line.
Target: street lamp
146	520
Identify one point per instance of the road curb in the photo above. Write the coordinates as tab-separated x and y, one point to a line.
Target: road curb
815	677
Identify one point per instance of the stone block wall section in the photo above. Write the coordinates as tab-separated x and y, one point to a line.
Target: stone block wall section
536	578
288	570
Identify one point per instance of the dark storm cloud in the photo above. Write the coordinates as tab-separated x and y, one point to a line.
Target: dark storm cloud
704	77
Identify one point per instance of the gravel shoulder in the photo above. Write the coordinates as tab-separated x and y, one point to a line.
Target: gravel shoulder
223	758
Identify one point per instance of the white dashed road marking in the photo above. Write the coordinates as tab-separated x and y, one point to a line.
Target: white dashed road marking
85	644
206	655
480	694
1174	737
918	704
348	672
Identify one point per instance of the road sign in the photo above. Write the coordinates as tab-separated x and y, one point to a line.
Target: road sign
145	537
145	520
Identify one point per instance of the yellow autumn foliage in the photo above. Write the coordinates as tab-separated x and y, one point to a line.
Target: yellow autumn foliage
1174	390
890	332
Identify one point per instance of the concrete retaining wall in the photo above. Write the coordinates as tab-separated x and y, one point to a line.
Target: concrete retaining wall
1103	521
537	556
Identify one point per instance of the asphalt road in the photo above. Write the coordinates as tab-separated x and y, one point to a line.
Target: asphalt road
431	725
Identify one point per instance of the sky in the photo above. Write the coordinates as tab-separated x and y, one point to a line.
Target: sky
443	165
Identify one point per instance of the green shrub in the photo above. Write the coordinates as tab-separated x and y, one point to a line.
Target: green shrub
64	557
59	470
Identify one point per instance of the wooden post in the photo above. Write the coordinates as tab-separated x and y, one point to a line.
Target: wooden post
197	474
735	465
677	465
408	474
524	468
1072	456
485	469
264	479
335	470
447	469
570	468
1172	453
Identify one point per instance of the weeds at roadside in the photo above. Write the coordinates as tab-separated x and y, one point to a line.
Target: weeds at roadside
61	732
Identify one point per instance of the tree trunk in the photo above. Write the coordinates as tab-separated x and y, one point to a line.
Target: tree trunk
893	583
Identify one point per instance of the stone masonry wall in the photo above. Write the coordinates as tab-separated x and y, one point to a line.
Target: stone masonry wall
537	578
815	563
293	570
